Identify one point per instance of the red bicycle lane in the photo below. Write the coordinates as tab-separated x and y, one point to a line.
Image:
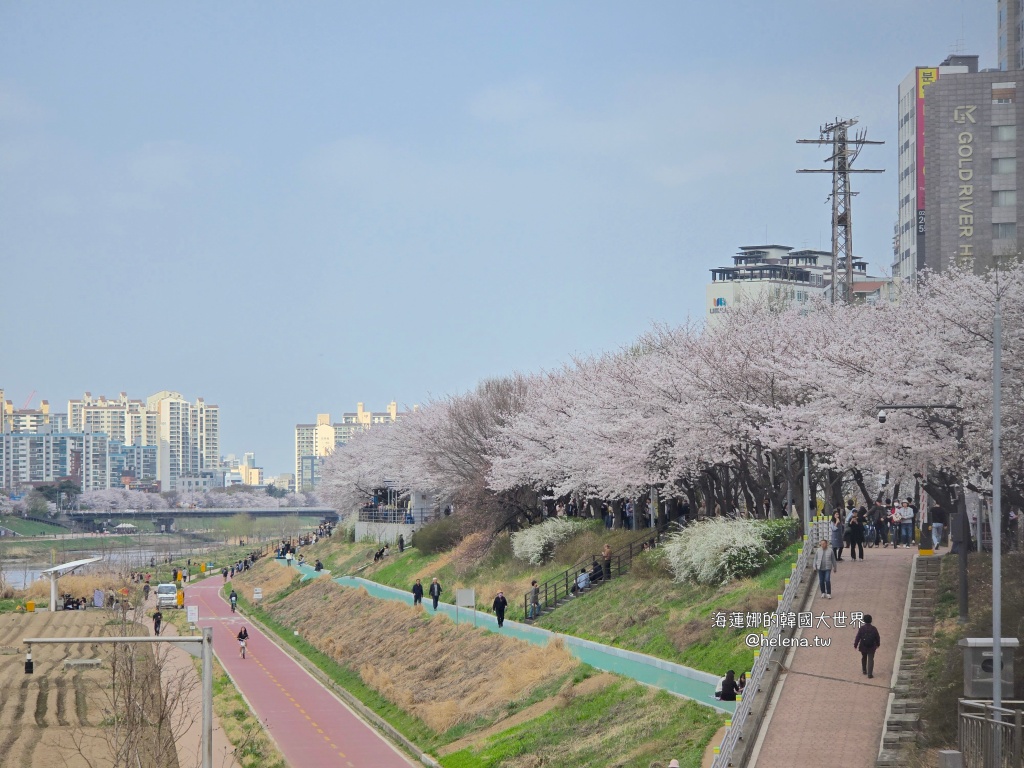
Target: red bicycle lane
312	727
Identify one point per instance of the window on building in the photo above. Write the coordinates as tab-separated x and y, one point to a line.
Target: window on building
1004	165
1004	133
1004	231
1004	197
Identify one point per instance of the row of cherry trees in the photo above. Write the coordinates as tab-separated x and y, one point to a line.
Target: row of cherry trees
121	498
724	418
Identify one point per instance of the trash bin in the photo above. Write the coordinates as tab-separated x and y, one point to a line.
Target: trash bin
202	567
979	666
30	606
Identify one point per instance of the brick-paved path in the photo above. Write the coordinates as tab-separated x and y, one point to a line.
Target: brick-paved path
828	712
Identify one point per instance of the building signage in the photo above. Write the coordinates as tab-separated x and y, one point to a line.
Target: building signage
925	77
718	306
964	117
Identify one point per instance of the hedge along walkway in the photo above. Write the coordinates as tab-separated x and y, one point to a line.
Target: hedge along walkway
674	678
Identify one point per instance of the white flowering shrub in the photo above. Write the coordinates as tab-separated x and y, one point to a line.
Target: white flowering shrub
717	551
536	543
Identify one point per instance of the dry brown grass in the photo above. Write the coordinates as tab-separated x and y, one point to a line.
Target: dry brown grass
269	574
565	696
78	585
442	673
470	551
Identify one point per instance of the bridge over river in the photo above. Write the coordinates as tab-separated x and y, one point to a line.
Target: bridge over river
167	516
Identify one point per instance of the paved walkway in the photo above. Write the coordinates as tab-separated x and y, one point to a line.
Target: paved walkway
310	725
827	711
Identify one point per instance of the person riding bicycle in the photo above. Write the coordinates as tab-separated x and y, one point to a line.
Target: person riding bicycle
243	637
233	597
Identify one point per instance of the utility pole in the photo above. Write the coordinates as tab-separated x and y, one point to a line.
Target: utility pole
844	151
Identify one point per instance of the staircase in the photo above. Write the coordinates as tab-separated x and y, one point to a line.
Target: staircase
558	590
902	726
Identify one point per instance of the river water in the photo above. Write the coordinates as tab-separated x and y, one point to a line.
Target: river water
20	573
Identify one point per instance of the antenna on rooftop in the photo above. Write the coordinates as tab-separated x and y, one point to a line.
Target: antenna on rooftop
844	151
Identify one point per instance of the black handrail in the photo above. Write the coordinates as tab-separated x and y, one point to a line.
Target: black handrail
559	587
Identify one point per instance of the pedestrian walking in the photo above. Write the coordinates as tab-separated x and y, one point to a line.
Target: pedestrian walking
855	532
435	591
882	522
907	523
157	621
825	564
895	523
534	600
867	642
837	533
417	593
499	605
145	592
606	555
401	543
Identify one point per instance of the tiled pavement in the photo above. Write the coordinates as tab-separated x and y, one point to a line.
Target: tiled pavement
828	713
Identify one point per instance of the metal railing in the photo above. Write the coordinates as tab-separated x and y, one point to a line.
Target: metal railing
979	724
752	691
559	587
396	515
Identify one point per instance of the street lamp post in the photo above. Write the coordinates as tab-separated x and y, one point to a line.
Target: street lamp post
965	527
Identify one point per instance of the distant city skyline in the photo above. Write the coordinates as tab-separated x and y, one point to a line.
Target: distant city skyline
290	209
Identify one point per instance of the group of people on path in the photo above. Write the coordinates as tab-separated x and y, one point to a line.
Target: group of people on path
853	528
434	592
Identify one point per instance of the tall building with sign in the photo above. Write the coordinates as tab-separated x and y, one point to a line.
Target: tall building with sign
974	144
912	223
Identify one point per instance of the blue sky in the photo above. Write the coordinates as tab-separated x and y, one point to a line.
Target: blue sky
290	208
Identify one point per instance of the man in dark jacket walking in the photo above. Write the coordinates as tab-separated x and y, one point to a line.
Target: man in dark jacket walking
499	606
867	641
417	593
435	591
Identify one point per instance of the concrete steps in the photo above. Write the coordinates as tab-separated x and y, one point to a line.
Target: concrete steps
904	720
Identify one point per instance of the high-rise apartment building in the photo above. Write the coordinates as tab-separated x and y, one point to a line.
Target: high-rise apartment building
315	441
25	419
912	219
120	419
187	437
29	458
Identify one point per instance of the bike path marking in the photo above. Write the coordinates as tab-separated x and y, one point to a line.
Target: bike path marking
310	725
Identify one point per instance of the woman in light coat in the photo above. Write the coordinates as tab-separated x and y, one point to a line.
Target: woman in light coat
825	564
837	530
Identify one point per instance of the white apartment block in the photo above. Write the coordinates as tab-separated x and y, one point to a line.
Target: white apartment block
120	419
187	437
27	458
315	441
